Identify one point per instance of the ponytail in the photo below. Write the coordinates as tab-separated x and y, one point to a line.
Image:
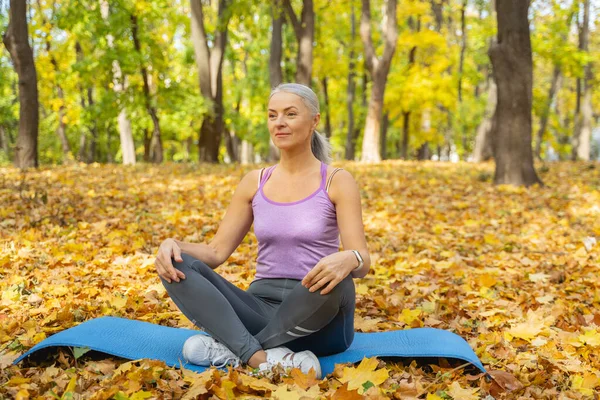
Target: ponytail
321	147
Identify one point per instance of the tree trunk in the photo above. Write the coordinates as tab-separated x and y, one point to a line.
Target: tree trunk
554	87
583	127
424	152
247	153
379	69
87	148
92	156
209	63
61	130
327	111
126	136
82	152
156	148
483	150
406	114
16	40
351	89
513	71
147	143
385	122
304	28
4	142
275	73
405	134
232	142
119	86
463	47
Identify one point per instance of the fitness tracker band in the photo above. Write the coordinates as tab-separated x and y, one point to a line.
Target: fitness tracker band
359	258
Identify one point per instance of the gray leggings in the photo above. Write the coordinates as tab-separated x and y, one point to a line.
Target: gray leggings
271	313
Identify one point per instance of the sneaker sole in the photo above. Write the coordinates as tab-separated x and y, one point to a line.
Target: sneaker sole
317	364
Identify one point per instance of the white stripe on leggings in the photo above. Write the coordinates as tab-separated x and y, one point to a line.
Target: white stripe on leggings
304	330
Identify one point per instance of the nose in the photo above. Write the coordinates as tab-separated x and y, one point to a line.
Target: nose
279	120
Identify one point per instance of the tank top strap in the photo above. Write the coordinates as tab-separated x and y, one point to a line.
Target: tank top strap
266	175
323	174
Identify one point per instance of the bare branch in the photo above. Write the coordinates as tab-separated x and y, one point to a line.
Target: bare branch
391	32
293	18
365	33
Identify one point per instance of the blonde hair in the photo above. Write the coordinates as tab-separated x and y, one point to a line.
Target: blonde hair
320	146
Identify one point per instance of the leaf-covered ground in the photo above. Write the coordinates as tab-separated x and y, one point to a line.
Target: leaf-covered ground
513	271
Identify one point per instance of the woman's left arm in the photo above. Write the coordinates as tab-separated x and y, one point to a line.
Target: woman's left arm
332	269
345	194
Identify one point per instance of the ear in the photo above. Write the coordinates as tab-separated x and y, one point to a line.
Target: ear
316	120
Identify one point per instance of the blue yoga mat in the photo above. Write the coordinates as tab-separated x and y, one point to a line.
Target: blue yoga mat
133	340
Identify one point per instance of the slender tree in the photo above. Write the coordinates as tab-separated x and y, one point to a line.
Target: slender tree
327	110
119	87
210	62
378	69
554	87
513	72
156	147
304	28
16	40
407	113
583	124
483	149
61	129
275	73
351	88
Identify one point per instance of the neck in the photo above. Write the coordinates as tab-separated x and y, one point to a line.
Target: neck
298	162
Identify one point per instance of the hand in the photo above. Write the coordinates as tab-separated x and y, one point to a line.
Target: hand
330	271
168	248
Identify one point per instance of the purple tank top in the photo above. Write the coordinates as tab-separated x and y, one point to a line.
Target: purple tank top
293	237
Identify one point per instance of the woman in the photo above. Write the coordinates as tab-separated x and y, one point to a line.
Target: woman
303	293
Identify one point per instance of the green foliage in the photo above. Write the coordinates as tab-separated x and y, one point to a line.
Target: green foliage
427	88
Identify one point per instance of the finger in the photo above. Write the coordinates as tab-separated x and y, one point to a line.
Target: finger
161	271
180	274
319	284
173	274
177	254
170	270
310	277
330	286
317	277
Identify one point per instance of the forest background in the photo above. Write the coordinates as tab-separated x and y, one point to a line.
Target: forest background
421	85
134	71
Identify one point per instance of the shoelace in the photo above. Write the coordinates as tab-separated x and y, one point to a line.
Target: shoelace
222	355
291	359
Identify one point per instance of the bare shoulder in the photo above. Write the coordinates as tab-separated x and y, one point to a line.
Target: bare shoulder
342	186
249	184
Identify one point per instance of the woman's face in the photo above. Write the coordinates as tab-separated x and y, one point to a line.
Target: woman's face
290	120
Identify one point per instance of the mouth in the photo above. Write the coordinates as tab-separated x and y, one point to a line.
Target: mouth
281	134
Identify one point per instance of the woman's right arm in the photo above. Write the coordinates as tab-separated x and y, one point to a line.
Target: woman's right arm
235	225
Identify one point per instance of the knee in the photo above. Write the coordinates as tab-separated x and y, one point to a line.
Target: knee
188	263
189	266
345	288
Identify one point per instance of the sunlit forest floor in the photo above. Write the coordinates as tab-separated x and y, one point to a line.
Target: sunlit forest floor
514	271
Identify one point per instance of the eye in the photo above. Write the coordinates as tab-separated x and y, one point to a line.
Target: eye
292	114
271	116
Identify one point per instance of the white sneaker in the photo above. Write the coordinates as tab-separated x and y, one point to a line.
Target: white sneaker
205	351
304	360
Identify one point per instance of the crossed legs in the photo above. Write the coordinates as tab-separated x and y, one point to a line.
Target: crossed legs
247	324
